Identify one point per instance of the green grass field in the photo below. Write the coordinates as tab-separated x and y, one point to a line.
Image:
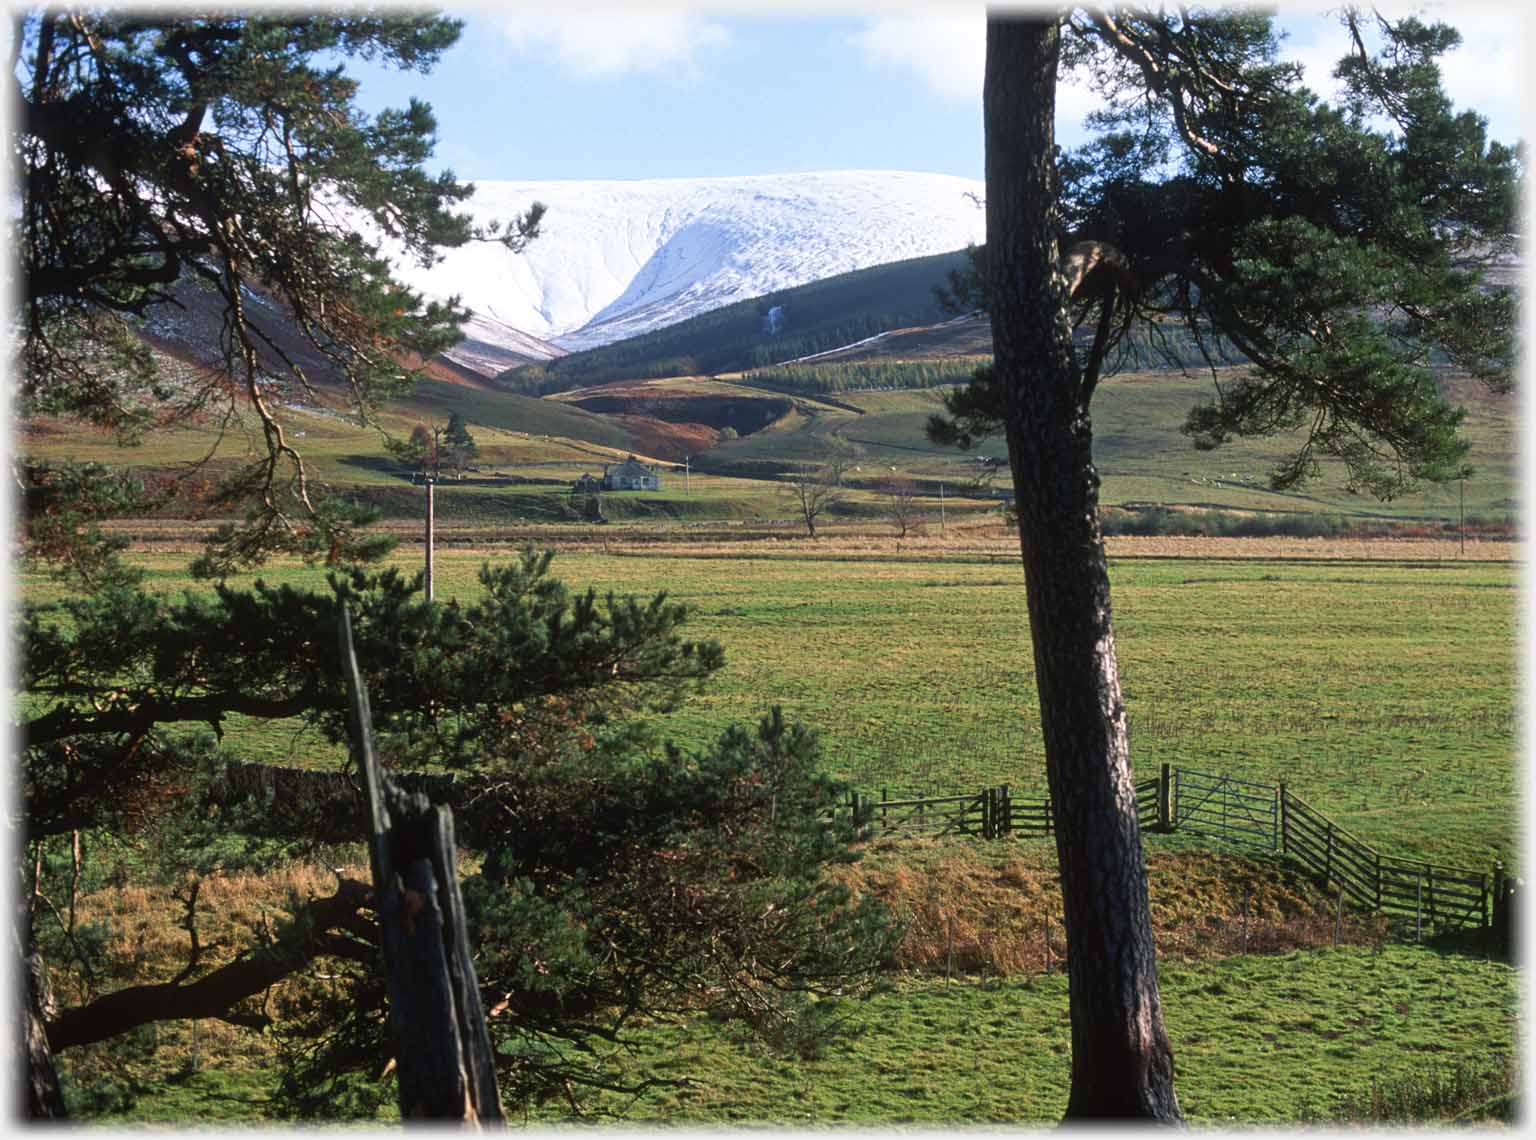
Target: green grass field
1281	1039
1256	1040
1382	693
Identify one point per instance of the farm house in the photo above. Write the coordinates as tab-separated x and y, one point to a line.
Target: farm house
631	475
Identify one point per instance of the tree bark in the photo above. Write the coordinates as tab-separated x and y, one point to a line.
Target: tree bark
43	1098
1122	1063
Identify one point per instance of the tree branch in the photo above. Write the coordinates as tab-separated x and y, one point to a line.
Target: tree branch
215	993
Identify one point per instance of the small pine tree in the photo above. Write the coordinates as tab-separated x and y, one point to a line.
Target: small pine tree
459	447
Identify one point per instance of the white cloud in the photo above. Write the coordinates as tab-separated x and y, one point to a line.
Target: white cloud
947	51
1486	72
603	44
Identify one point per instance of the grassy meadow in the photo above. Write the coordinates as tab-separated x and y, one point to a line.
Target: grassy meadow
1257	1040
1382	692
1381	688
1306	1036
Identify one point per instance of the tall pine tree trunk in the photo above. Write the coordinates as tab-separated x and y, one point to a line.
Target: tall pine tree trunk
1122	1064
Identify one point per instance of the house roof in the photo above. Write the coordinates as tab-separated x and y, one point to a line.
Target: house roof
631	468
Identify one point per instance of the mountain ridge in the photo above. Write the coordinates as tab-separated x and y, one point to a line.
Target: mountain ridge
616	259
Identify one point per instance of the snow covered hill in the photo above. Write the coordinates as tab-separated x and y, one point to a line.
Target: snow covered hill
616	259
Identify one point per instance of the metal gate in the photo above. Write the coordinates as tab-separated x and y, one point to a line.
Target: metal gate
1238	811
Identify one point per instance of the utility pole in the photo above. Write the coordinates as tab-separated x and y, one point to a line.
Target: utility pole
687	465
430	480
430	477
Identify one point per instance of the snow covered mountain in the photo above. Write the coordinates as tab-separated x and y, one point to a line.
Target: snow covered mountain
616	259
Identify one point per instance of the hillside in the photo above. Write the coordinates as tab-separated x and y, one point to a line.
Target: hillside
780	326
844	369
617	259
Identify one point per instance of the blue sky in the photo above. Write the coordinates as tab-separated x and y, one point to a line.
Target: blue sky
531	93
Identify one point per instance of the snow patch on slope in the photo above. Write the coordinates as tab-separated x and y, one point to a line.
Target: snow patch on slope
617	259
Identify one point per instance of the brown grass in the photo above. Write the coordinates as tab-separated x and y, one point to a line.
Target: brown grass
147	942
967	908
996	910
1000	914
1363	549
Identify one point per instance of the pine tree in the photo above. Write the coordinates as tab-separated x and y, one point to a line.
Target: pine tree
633	876
1337	257
161	153
160	156
459	448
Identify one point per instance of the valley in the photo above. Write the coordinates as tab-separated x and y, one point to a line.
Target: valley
718	769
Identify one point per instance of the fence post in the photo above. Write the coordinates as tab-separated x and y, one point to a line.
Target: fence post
445	1069
1173	801
1007	811
986	813
1430	875
1496	919
1284	820
949	958
1418	907
1164	791
1328	857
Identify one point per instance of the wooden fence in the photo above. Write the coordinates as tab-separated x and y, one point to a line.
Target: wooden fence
1427	895
990	814
984	813
1419	896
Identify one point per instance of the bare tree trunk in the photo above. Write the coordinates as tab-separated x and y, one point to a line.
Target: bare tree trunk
1122	1063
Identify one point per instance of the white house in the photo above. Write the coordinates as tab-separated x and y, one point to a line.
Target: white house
631	475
